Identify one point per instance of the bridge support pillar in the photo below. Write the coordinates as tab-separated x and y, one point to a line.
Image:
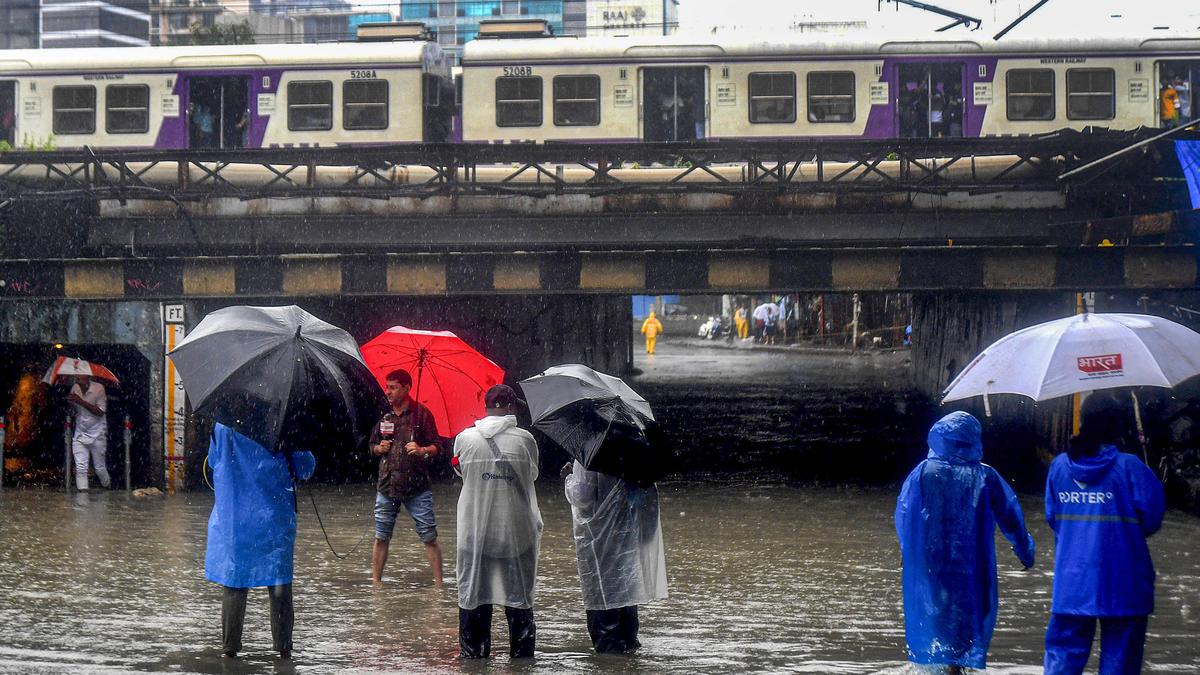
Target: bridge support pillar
950	329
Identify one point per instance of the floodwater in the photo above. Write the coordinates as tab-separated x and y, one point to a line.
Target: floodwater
766	574
763	578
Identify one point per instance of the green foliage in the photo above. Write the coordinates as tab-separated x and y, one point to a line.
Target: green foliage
31	144
223	34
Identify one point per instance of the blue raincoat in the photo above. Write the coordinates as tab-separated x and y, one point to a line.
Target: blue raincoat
252	529
945	518
1102	508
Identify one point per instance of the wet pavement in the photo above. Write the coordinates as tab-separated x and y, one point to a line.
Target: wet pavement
766	575
763	578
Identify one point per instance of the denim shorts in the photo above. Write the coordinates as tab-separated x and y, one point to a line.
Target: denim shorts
419	506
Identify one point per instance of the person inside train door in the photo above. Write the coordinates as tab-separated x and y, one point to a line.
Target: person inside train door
8	112
219	113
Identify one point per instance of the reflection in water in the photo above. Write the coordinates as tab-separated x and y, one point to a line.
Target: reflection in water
763	578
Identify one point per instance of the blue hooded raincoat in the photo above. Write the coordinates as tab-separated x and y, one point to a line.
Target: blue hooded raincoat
946	518
252	529
1102	508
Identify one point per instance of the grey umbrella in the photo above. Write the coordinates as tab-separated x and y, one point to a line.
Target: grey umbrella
280	376
599	420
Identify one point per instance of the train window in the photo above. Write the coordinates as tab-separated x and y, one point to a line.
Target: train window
772	97
576	100
310	106
127	108
433	90
75	110
518	101
1091	94
831	97
1030	94
365	104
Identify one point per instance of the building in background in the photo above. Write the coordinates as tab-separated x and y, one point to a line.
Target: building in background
171	21
632	17
20	24
93	23
456	22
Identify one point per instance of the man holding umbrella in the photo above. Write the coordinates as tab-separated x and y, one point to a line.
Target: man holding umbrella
499	527
89	401
405	440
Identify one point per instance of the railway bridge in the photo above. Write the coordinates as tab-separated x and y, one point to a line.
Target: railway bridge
532	251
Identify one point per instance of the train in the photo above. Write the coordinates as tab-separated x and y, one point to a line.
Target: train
520	87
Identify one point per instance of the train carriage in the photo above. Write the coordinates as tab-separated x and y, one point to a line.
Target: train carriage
225	96
675	89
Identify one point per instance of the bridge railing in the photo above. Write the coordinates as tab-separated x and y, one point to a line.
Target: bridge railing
934	166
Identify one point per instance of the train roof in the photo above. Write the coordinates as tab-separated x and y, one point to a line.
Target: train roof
233	56
809	44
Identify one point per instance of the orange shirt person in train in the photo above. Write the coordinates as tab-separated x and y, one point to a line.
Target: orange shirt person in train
651	327
1168	104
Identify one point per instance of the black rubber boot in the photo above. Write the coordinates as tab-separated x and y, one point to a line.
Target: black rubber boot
613	631
233	618
475	632
522	632
283	618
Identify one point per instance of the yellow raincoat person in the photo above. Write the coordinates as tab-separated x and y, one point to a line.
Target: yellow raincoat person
651	327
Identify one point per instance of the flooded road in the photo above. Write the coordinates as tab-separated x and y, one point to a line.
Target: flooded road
763	578
766	574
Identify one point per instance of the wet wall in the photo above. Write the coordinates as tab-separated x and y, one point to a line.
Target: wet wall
523	334
124	336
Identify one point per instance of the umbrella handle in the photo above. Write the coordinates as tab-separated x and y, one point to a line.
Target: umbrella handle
1137	418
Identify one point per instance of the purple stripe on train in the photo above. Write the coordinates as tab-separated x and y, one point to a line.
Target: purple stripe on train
174	132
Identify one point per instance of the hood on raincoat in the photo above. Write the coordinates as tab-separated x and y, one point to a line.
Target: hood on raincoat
1090	469
492	425
956	438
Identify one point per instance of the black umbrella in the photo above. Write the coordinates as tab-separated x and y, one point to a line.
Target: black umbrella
599	421
280	376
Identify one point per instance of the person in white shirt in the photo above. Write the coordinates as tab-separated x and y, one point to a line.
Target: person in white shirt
89	402
499	527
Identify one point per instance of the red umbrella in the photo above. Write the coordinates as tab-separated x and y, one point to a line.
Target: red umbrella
66	366
449	376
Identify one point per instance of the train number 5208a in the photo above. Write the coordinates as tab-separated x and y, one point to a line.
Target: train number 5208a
363	75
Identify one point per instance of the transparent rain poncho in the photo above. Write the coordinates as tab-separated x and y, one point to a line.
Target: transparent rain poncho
946	518
618	539
499	523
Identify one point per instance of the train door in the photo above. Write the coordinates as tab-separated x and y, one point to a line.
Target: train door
674	104
1176	96
8	112
218	111
930	101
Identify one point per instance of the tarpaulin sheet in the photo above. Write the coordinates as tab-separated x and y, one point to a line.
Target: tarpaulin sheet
1189	158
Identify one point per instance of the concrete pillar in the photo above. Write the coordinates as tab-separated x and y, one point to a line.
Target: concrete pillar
949	330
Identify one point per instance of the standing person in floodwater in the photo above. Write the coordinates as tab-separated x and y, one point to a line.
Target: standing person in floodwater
404	440
619	544
89	401
651	327
946	517
252	532
1102	505
499	527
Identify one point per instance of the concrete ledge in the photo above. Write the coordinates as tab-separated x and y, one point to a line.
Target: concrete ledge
94	279
748	271
522	274
1018	269
416	276
209	277
612	272
866	271
1159	268
311	275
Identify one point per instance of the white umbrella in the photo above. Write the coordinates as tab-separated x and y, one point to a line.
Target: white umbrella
1086	352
